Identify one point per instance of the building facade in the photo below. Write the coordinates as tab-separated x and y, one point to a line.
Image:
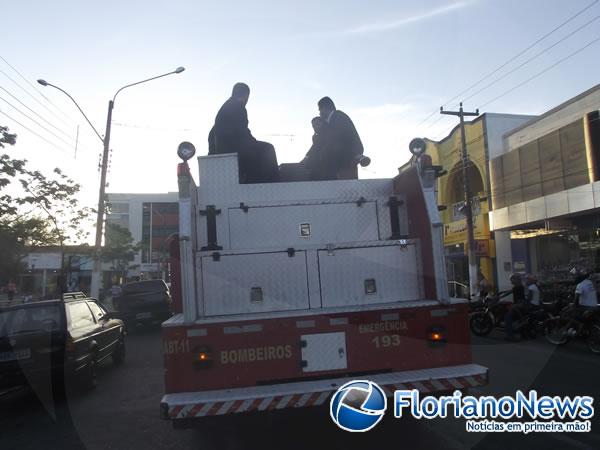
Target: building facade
545	191
483	136
151	220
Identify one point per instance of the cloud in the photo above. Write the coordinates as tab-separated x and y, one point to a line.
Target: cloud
379	27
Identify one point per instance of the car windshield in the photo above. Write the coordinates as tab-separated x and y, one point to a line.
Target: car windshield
30	319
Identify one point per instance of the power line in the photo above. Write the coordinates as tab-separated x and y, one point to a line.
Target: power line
560	61
36	113
34	121
532	58
33	132
36	89
522	52
34	98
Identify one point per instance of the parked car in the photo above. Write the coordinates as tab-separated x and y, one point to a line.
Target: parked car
144	302
57	340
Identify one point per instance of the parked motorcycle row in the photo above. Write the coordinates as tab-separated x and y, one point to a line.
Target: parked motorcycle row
557	320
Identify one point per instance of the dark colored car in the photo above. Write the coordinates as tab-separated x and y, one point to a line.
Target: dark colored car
144	302
57	341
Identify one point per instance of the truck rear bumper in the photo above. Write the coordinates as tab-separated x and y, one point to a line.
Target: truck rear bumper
191	405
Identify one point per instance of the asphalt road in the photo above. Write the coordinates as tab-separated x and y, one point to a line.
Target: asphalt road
122	413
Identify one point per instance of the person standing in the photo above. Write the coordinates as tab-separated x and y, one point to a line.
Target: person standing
519	301
341	143
230	134
11	290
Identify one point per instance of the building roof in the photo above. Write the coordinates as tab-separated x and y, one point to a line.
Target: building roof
553	110
477	119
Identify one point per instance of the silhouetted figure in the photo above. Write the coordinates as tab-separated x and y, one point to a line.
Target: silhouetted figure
230	134
315	160
339	141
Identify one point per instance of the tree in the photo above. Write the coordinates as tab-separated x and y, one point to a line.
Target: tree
119	249
35	210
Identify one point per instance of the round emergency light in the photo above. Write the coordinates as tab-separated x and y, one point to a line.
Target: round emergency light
417	146
186	150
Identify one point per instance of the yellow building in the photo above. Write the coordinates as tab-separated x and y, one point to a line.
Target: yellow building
484	134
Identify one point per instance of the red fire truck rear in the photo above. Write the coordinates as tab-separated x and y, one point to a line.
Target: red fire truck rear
289	290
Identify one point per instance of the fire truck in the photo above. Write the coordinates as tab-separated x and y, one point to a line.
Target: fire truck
285	291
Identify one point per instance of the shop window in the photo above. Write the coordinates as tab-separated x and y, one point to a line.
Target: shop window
551	163
529	160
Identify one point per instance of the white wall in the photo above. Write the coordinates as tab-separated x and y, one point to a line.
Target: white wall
497	125
503	256
568	112
136	205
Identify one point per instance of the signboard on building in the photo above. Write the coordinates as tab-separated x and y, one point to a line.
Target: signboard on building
456	232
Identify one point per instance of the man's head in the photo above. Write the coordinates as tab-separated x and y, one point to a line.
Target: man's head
530	279
326	107
241	92
516	279
317	124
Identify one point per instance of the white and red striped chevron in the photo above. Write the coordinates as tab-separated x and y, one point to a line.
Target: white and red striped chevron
190	406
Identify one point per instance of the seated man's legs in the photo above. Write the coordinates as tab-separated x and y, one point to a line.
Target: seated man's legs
258	164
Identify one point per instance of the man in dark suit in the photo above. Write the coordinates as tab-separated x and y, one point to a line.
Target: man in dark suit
340	142
315	160
230	134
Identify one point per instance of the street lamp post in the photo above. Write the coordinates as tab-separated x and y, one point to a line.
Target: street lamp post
97	269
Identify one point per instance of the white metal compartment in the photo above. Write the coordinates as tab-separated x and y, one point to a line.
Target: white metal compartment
395	270
302	224
229	281
323	351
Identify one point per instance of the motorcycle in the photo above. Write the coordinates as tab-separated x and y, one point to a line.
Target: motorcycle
487	316
566	326
530	325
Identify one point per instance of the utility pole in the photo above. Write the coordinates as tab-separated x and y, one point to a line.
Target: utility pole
473	269
96	281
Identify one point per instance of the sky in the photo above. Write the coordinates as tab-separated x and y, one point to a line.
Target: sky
389	64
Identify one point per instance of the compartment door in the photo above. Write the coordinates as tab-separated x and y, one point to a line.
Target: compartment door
369	275
323	351
252	283
297	225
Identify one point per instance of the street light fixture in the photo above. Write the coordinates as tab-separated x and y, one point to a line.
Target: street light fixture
95	282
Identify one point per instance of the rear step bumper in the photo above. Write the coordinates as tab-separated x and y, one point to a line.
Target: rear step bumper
191	405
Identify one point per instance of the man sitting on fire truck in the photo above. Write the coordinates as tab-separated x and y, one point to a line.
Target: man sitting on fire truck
230	134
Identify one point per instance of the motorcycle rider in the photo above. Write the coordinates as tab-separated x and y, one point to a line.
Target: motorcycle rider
518	306
586	298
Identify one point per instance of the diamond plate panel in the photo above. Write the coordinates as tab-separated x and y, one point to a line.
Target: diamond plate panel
228	283
299	225
219	186
344	274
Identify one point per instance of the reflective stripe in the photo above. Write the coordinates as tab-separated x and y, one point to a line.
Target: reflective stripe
224	408
303	400
454	382
284	401
471	381
438	385
321	398
245	404
420	386
265	402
